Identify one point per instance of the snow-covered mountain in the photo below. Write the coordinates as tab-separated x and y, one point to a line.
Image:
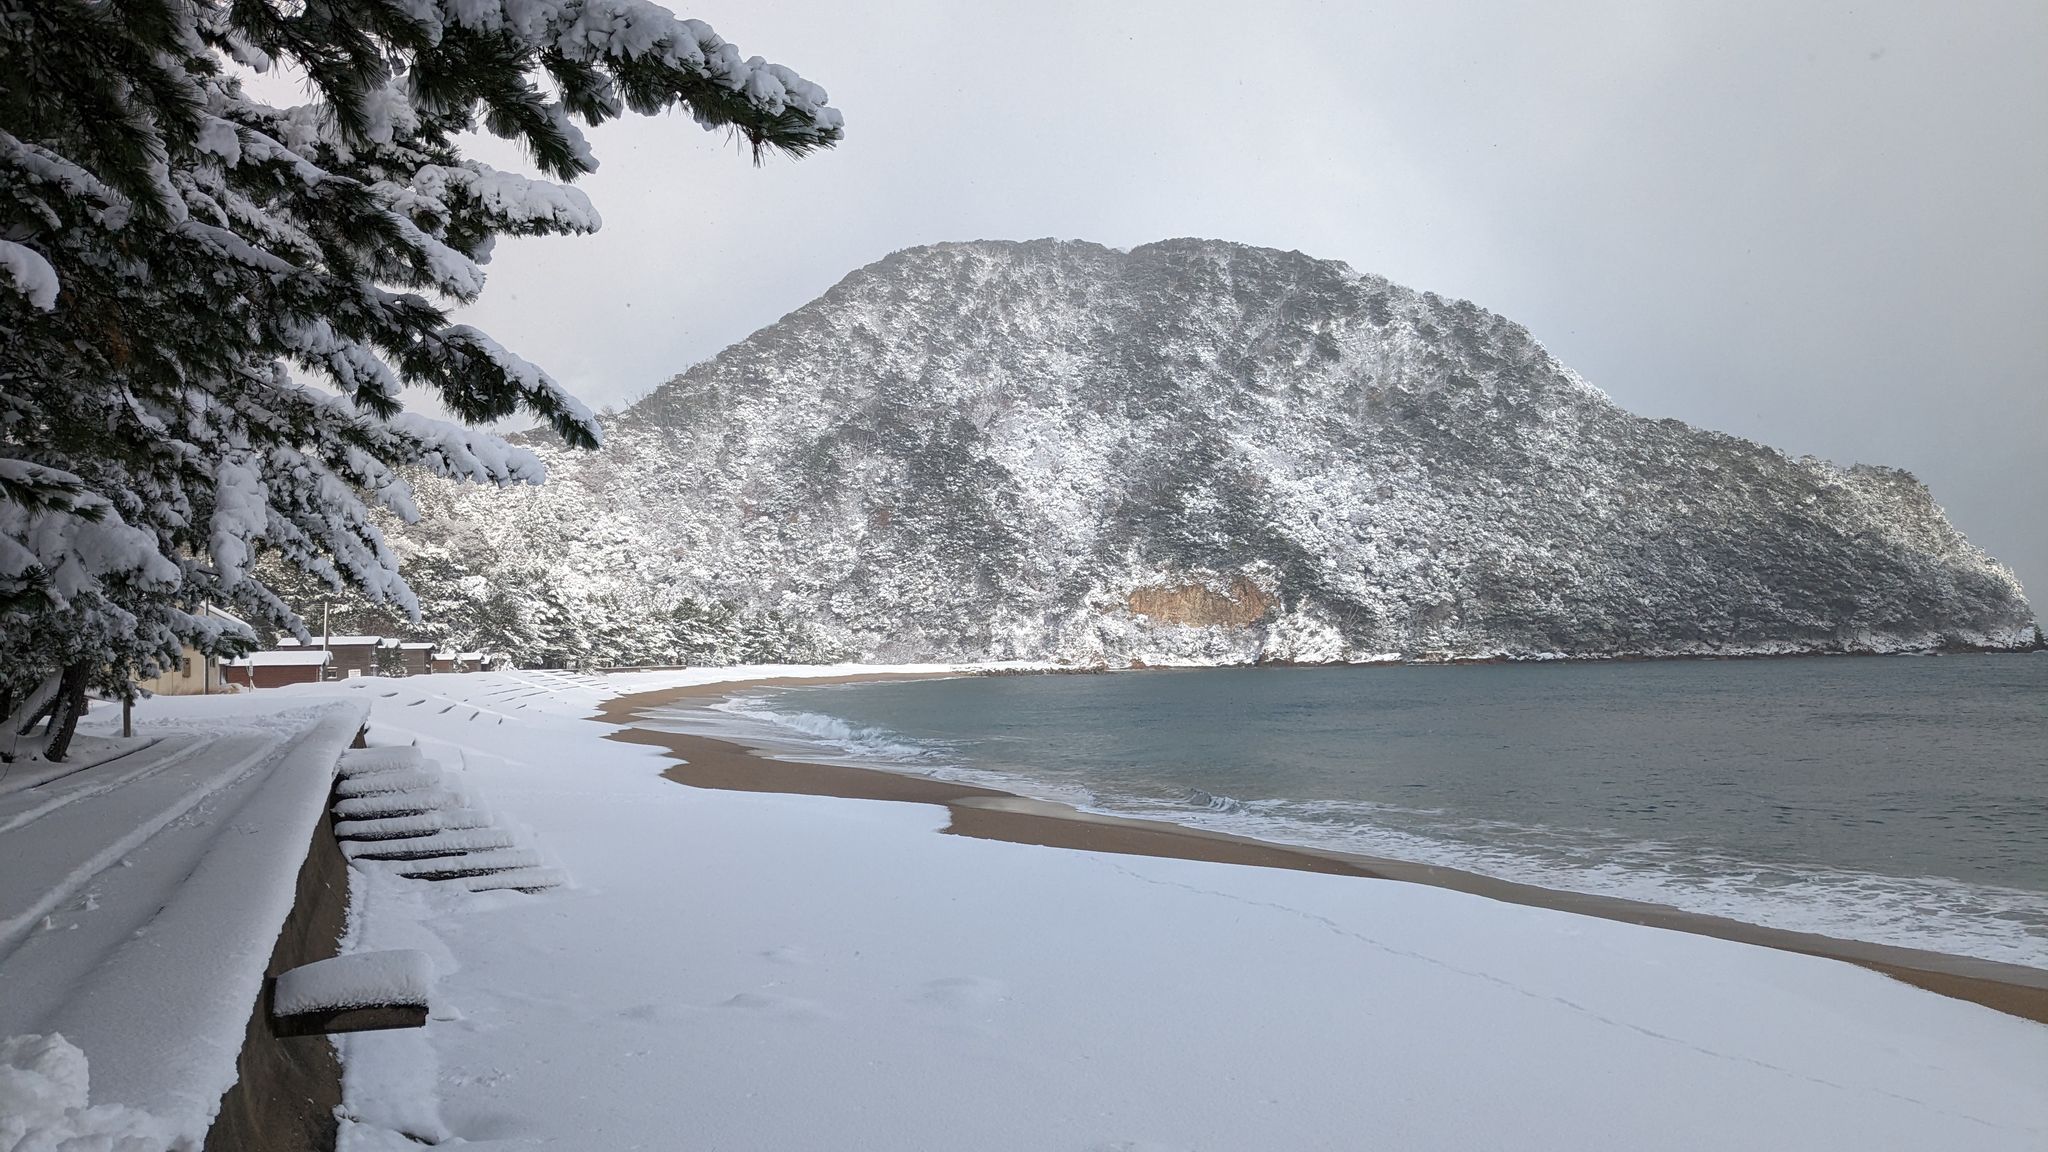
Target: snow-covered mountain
1192	451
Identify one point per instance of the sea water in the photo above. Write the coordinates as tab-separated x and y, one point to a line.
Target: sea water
1902	800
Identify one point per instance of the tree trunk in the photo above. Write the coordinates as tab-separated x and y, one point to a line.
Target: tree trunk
42	710
71	706
25	708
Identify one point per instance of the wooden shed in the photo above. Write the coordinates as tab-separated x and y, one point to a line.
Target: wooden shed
415	658
353	655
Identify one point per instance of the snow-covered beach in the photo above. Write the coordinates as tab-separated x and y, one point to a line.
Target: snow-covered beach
757	970
693	723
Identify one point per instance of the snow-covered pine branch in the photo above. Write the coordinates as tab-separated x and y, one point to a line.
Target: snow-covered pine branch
210	307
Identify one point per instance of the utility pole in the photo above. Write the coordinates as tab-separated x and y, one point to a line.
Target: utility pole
326	634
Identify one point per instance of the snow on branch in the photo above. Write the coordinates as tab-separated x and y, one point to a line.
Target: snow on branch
29	274
77	554
460	346
41	171
241	511
510	202
357	370
458	453
35	487
643	33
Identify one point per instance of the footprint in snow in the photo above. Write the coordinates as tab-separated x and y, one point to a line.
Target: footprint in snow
776	1004
966	991
650	1014
786	954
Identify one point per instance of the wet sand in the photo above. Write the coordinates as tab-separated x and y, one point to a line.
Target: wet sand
991	814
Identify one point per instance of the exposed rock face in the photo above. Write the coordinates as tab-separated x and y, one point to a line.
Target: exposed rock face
1191	451
1191	605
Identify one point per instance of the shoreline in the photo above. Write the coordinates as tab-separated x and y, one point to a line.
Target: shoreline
993	814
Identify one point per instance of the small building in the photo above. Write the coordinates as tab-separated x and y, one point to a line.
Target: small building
276	669
469	662
443	662
415	658
197	674
353	655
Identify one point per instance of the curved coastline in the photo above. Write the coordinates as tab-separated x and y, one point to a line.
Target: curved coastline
993	814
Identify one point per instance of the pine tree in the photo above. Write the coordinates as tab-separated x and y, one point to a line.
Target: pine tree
209	306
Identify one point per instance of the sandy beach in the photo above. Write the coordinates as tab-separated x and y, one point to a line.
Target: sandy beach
992	814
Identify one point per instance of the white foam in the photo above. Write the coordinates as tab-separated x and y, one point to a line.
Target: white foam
1936	913
831	731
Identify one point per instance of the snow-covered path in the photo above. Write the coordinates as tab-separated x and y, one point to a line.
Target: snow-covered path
755	971
63	836
140	899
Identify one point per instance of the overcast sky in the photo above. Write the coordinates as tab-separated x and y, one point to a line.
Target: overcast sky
1821	226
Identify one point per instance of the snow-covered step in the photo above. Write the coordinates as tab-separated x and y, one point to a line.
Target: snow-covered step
424	824
474	864
393	780
426	847
395	804
516	879
366	761
359	992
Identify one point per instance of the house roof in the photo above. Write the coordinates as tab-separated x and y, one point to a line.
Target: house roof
224	614
332	642
416	645
302	658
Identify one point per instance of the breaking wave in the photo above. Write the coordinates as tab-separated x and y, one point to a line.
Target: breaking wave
1211	802
854	740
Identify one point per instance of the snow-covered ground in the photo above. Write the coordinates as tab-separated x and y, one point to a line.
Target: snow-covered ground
140	899
760	971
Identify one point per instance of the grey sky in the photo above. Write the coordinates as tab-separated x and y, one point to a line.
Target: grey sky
1821	226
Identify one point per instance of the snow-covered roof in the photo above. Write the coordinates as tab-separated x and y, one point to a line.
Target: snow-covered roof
222	613
444	655
469	655
332	642
416	645
305	657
